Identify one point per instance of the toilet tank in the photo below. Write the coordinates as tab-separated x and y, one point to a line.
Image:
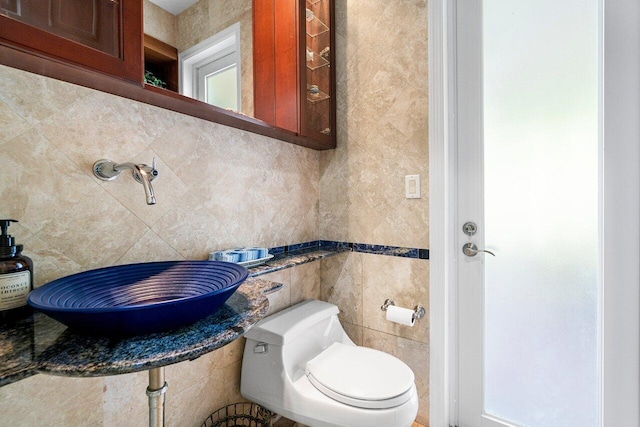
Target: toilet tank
282	344
287	325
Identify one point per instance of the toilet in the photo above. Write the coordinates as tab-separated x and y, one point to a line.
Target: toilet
300	364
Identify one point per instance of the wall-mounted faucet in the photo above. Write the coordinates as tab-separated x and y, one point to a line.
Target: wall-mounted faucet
107	170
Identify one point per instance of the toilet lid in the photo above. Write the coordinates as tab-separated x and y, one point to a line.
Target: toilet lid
361	376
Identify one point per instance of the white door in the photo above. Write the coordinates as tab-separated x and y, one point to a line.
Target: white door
528	191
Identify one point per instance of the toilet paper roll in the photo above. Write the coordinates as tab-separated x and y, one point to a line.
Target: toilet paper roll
401	315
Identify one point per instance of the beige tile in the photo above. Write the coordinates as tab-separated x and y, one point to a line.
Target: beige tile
364	219
305	282
404	280
415	354
95	236
11	124
195	148
103	126
409	112
150	247
234	196
333	217
380	93
405	225
58	400
36	179
195	392
232	375
188	373
355	332
190	24
125	400
192	230
373	178
341	284
49	262
44	97
190	400
233	352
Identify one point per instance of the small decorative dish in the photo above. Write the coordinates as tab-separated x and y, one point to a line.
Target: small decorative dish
247	257
255	262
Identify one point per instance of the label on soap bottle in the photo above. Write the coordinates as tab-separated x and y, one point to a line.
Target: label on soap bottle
14	289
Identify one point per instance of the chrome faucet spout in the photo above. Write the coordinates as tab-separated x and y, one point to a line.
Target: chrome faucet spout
107	170
119	167
144	177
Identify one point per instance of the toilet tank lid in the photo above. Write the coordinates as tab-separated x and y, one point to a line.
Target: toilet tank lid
284	326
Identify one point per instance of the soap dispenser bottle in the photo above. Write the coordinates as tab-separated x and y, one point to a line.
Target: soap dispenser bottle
16	276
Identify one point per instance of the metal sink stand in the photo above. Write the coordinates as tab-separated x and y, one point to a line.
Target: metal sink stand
156	390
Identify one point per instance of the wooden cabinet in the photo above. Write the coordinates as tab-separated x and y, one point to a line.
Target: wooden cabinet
294	76
105	35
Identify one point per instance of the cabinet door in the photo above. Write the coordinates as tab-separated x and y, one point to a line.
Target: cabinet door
317	71
275	62
104	35
294	82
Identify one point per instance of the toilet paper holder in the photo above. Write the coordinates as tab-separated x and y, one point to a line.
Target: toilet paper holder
418	310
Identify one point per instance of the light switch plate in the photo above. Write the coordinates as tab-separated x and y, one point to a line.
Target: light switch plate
412	186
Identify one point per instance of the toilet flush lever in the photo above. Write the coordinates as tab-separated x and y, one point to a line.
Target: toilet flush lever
470	249
261	348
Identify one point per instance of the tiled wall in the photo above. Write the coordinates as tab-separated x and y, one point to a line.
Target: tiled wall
382	133
218	188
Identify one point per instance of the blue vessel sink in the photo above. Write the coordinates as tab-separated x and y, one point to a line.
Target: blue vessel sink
137	299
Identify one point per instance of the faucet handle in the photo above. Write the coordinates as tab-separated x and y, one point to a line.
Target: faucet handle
153	172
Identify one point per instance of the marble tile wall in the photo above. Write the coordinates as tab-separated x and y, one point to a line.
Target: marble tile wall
218	188
196	389
383	136
300	283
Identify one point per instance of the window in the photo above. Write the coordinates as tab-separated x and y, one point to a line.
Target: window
210	70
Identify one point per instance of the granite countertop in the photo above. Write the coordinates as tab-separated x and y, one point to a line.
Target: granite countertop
292	259
40	344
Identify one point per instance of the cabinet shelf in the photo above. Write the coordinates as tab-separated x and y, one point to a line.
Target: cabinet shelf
315	26
315	60
317	97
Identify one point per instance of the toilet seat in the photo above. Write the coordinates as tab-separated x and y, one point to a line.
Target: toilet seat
361	377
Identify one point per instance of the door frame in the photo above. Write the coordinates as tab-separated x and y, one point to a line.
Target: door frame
619	323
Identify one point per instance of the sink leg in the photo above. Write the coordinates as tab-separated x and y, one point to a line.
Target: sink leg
156	391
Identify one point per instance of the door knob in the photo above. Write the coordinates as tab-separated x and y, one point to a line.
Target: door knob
470	249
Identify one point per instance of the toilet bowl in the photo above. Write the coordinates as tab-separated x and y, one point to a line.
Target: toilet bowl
300	364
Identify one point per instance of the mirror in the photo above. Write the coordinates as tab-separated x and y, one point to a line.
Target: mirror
43	52
201	49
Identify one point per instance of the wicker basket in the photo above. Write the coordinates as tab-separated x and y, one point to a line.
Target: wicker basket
244	414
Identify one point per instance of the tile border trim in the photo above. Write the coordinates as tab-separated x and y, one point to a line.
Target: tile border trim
331	245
